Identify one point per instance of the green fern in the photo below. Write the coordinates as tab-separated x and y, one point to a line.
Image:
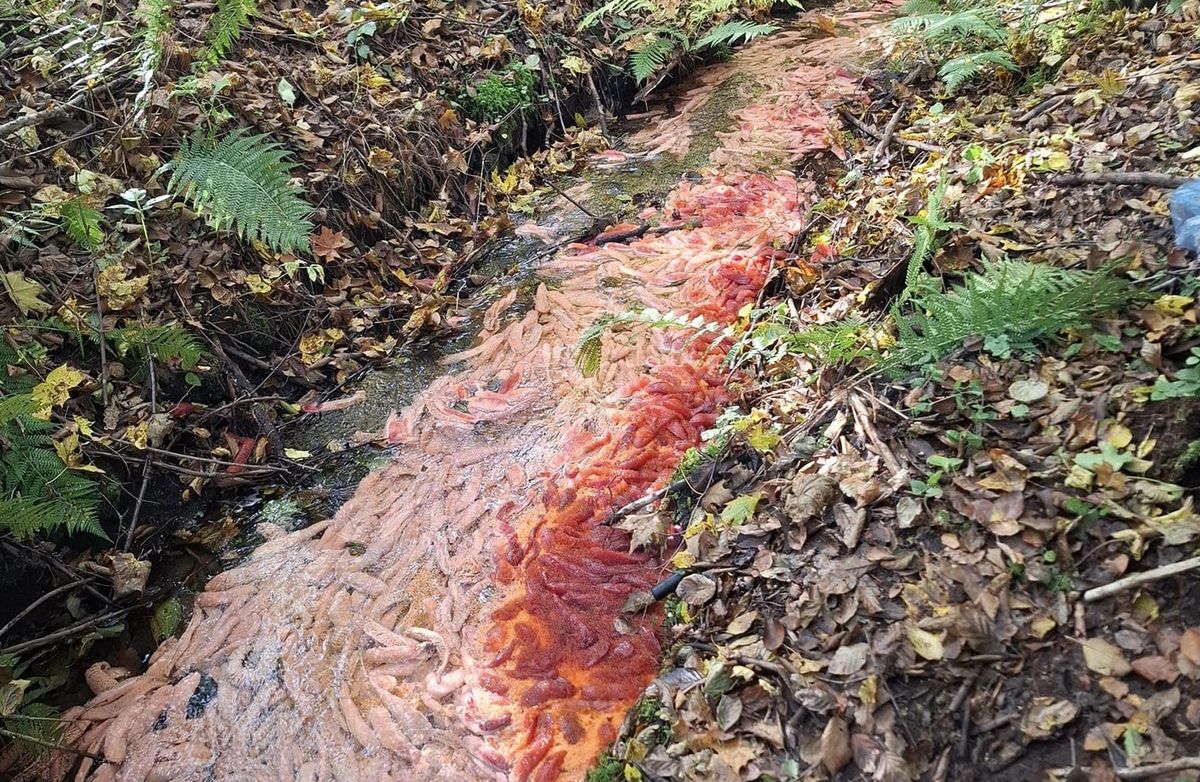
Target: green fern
614	8
960	70
242	180
167	343
941	28
1015	303
651	56
40	494
930	226
82	224
155	16
731	33
14	406
701	12
228	21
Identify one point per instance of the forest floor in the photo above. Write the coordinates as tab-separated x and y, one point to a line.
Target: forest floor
965	563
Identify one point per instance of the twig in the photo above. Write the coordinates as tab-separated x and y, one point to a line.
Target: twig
30	608
51	745
578	205
643	502
137	507
874	133
1148	178
260	412
66	632
12	126
888	132
1050	104
100	335
1137	579
599	105
1158	769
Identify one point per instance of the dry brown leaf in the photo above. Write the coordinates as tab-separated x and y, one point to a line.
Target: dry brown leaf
1104	658
1155	668
835	745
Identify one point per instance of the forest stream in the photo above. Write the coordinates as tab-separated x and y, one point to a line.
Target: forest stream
460	617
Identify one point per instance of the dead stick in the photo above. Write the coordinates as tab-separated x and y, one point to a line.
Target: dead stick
888	132
137	506
29	609
1137	579
51	745
1158	769
1148	178
66	632
874	133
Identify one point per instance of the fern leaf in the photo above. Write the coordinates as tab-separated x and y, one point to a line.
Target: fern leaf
35	726
731	33
228	21
82	224
960	70
167	343
700	12
15	406
614	8
938	28
242	180
651	56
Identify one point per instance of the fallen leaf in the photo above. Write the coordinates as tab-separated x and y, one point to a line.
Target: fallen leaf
55	389
835	745
1028	390
848	659
696	589
1045	716
925	643
1155	668
1189	645
25	293
1104	658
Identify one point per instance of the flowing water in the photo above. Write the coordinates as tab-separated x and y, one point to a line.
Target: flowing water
460	617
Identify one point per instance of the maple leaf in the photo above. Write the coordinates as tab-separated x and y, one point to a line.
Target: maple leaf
326	243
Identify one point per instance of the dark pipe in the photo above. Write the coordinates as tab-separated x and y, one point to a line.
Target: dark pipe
667	585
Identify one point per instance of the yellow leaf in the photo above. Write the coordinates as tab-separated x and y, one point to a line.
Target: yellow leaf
868	691
1118	436
1170	304
925	643
1041	626
312	347
257	284
632	774
138	435
119	290
1145	608
24	292
69	451
296	453
683	560
1104	658
55	390
1058	161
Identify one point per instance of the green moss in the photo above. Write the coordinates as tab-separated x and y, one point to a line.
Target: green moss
501	94
1189	458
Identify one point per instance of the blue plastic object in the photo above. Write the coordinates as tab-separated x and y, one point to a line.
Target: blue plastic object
1185	215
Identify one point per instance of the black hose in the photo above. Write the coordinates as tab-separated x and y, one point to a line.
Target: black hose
667	586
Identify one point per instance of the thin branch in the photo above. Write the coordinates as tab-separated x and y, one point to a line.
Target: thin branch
1137	579
66	632
1147	178
32	606
1159	769
51	745
61	110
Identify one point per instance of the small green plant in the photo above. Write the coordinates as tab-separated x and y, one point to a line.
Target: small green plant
607	769
501	94
1014	303
668	33
228	21
964	39
242	180
1185	384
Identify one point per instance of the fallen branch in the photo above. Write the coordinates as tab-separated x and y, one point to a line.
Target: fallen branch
878	134
51	745
890	130
1137	579
30	608
643	230
1158	769
1147	178
67	632
12	126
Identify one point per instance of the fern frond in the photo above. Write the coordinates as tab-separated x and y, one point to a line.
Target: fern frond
940	27
165	342
651	56
155	16
700	12
959	70
226	25
242	180
731	33
82	224
14	406
614	8
1018	302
